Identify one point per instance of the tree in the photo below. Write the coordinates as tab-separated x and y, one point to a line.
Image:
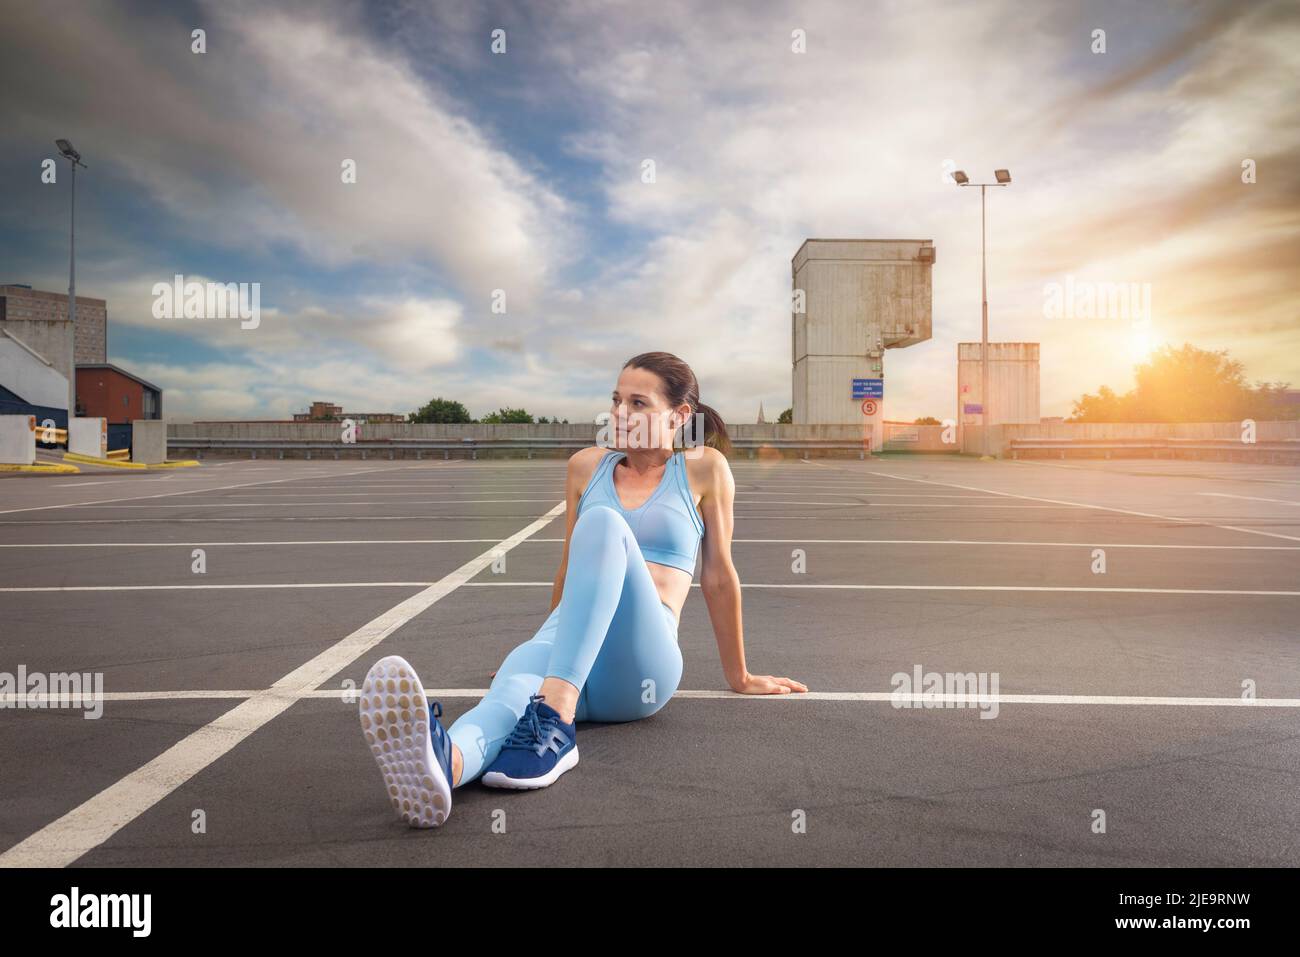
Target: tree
1105	406
927	420
786	417
441	410
506	415
1185	384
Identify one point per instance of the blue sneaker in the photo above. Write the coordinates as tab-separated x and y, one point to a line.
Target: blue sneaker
409	743
538	751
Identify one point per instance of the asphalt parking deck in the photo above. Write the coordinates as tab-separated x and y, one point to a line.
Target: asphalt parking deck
1135	621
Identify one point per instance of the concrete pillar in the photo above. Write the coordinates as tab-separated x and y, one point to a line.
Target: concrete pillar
149	441
88	436
17	439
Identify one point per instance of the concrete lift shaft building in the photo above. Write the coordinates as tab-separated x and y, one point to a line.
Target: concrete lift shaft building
1013	384
852	300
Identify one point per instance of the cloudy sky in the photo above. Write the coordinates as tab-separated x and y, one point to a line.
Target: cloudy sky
522	171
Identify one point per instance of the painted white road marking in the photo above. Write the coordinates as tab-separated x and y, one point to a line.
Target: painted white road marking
1038	588
1251	498
1103	508
93	822
7	700
736	541
193	491
526	584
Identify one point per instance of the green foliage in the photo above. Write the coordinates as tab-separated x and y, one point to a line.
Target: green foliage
927	420
786	417
1187	384
502	416
441	410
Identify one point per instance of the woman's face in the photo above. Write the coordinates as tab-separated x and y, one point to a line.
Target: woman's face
640	417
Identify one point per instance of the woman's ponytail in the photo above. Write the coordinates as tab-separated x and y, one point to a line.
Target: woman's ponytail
715	430
682	388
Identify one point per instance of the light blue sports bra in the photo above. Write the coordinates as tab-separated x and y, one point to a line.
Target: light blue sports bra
667	526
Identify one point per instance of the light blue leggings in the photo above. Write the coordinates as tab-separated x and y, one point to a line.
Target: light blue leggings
610	635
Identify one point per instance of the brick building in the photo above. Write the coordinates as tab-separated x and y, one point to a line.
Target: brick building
108	392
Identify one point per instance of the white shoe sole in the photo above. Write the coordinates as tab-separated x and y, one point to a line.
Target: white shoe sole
393	713
495	779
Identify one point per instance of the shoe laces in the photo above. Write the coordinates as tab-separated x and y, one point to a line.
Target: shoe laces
530	731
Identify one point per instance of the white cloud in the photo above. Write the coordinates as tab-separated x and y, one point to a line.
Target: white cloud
245	143
1122	173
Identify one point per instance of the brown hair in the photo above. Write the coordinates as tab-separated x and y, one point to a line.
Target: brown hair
681	386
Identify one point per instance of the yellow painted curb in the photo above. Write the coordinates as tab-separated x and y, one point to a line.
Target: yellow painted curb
118	464
91	460
53	468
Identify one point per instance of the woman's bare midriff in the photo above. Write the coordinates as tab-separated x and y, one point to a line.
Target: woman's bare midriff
673	585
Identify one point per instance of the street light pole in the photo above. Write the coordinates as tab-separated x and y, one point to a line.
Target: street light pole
961	179
74	160
985	405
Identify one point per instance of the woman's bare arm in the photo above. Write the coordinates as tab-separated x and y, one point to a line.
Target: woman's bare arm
581	466
720	584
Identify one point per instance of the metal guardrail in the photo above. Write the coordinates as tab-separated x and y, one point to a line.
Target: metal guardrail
470	446
1285	447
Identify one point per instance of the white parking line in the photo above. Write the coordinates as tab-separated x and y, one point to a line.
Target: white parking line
955	541
1037	588
227	587
1251	498
735	541
90	481
1103	508
40	701
260	519
192	491
1180	473
358	541
467	501
93	822
235	586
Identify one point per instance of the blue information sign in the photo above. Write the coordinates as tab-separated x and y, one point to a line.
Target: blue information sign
868	388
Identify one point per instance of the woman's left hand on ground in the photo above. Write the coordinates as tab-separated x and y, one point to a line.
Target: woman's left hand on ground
769	684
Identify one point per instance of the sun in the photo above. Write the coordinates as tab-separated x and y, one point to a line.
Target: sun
1142	341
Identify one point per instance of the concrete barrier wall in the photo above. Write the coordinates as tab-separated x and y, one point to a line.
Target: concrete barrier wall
17	439
1001	435
898	437
379	431
88	436
371	439
149	441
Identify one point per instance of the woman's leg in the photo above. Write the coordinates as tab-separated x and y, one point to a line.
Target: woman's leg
479	732
637	666
610	625
610	612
